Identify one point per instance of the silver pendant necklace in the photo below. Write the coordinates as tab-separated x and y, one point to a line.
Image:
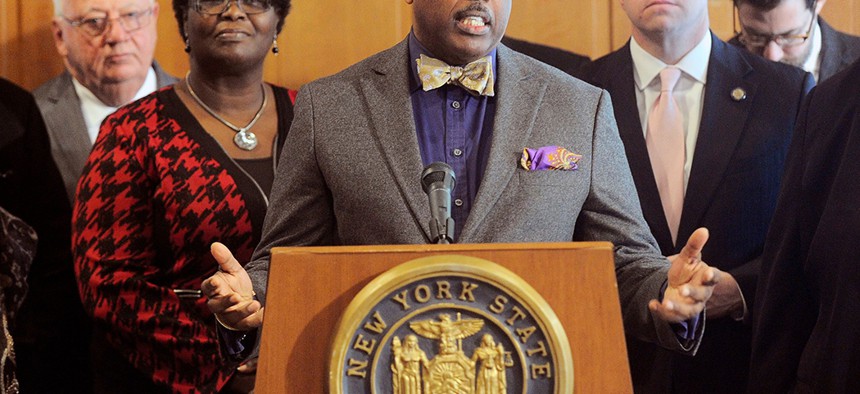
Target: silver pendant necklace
244	139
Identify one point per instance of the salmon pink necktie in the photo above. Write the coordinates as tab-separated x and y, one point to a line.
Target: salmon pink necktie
666	149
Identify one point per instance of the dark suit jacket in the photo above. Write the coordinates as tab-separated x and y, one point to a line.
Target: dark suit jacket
50	334
568	62
732	191
70	142
838	50
806	322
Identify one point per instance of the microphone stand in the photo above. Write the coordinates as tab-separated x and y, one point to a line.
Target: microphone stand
444	235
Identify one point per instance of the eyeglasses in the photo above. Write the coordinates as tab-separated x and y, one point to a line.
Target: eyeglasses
130	21
217	7
760	41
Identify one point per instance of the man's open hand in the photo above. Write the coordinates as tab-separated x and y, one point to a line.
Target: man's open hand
231	294
691	282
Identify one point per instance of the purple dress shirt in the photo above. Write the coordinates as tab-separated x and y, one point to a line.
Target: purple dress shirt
453	127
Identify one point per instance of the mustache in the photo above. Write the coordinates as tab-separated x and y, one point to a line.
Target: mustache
471	9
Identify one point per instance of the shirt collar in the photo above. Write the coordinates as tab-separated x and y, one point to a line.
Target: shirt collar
813	61
416	50
646	67
95	111
150	84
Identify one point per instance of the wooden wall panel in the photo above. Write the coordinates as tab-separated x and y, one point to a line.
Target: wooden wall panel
323	37
619	25
844	15
170	50
579	26
721	13
8	33
27	47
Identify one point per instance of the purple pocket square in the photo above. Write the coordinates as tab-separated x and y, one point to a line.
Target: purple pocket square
549	158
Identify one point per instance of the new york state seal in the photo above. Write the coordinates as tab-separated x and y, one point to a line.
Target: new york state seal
450	324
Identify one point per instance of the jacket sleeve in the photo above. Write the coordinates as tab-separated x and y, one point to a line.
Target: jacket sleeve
300	194
612	213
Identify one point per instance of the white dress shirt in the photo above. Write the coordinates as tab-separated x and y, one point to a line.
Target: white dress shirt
95	111
813	61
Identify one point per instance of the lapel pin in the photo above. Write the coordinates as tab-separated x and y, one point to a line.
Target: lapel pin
739	94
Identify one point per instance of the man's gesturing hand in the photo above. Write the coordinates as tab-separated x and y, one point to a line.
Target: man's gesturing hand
231	294
691	282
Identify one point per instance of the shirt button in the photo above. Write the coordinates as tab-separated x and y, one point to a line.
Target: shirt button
458	152
456	105
458	202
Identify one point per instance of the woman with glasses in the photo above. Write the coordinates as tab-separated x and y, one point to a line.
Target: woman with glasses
170	174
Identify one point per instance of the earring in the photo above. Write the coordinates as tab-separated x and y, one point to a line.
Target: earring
187	46
275	49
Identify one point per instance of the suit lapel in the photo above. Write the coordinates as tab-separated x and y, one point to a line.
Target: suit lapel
162	78
721	128
394	127
67	126
518	98
832	52
618	79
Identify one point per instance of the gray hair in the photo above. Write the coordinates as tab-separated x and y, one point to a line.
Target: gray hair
59	5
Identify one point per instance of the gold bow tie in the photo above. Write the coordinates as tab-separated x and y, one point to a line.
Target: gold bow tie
476	77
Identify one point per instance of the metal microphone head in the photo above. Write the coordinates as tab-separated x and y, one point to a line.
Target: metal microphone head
437	175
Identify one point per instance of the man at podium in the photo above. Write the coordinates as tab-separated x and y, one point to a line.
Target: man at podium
536	154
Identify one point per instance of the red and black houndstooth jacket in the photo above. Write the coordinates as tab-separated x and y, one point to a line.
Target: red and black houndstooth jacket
157	190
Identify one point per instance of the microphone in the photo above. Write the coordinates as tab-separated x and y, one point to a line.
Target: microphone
438	180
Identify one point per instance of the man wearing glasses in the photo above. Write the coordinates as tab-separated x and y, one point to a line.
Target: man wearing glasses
792	32
107	48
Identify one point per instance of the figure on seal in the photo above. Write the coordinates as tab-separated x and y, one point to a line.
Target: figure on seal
407	366
491	373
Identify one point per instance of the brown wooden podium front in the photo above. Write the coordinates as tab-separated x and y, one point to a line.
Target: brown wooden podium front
310	287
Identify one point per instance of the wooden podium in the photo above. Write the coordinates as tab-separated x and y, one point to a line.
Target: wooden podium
310	288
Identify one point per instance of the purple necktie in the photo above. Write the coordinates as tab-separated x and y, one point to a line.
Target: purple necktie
666	149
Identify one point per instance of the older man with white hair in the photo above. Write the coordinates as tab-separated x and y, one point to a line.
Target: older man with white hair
107	47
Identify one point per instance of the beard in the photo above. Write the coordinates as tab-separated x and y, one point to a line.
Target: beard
800	59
